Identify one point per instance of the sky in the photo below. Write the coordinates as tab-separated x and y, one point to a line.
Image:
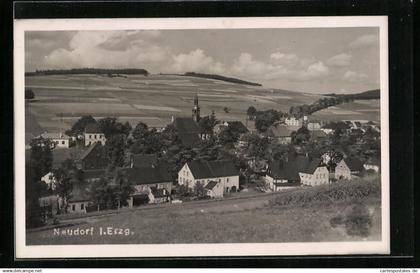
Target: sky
314	60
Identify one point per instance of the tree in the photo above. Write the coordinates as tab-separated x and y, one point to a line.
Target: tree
228	136
207	123
110	126
79	127
29	94
39	164
115	150
265	119
124	187
141	131
199	190
67	175
302	135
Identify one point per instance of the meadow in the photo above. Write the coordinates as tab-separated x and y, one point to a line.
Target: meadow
297	216
154	99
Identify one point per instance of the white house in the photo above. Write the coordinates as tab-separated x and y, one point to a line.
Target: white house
222	171
60	140
314	174
314	126
285	175
214	189
342	171
94	134
372	164
50	180
292	121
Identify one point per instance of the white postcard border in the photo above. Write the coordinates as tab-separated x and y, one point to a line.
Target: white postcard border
190	250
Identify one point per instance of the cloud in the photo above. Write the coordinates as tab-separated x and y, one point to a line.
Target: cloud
195	61
343	59
283	58
352	76
365	41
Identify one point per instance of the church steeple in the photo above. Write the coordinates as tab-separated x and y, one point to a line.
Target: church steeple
196	109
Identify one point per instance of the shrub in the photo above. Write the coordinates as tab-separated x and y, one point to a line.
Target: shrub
342	190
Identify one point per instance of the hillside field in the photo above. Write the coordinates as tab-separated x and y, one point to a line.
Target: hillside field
62	99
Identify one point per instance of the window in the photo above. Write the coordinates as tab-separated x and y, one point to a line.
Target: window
82	206
100	136
227	180
63	142
95	136
73	207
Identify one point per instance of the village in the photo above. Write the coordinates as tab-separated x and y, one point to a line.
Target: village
111	166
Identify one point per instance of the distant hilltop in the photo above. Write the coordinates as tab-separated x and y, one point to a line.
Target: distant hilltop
367	95
220	78
75	71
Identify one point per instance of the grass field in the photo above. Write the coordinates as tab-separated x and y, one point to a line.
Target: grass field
232	221
61	99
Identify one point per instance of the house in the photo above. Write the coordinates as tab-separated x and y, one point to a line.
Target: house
313	125
214	189
94	134
238	127
250	125
285	175
221	171
280	132
147	183
188	131
143	160
59	140
90	176
293	122
79	200
373	163
348	168
50	180
314	173
94	157
317	135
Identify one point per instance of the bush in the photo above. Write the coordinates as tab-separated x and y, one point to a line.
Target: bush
342	190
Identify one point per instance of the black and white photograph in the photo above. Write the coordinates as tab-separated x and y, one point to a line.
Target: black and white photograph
201	137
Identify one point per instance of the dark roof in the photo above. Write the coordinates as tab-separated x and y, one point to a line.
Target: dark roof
93	128
148	175
143	160
289	170
188	139
313	164
354	164
92	147
318	134
239	126
79	194
94	157
336	125
186	125
211	185
373	161
279	130
208	169
92	174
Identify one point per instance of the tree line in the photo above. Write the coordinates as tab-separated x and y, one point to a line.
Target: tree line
76	71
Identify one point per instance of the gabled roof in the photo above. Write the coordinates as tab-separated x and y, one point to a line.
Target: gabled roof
290	170
241	128
93	128
55	135
144	160
92	174
210	169
318	134
94	147
188	139
279	130
79	194
211	185
186	125
354	164
312	166
148	175
94	157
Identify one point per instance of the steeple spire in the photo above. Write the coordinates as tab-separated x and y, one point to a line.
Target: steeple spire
196	109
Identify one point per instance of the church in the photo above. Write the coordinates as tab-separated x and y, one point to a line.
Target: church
188	128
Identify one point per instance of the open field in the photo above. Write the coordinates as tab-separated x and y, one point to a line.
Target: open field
356	110
251	219
153	99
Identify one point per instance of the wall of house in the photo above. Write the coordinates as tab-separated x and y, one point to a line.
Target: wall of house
78	207
319	177
371	167
185	177
342	171
228	183
146	187
92	138
61	143
216	192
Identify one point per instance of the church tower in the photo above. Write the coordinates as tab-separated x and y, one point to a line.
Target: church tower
196	110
